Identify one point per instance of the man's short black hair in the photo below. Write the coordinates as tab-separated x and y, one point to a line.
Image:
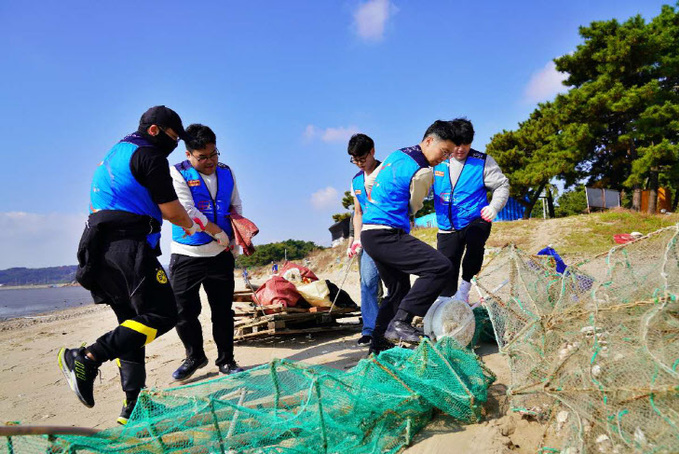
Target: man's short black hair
360	145
200	135
463	131
441	129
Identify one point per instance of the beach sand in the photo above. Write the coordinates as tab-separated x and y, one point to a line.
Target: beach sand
34	391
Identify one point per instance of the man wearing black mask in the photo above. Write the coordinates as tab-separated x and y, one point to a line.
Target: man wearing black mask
131	194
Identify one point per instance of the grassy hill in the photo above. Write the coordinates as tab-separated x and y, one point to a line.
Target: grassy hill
32	276
574	237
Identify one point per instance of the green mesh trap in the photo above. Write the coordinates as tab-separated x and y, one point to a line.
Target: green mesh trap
291	407
594	351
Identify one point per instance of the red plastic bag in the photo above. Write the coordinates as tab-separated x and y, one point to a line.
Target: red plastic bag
243	231
306	273
277	291
622	238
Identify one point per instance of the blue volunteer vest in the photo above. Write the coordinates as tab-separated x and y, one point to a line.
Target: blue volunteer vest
358	185
216	210
457	207
115	188
389	198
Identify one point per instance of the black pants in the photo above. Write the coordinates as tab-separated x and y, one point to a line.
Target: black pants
397	256
216	276
472	238
131	280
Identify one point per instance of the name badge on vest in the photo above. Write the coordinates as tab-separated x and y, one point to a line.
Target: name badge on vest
357	192
193	183
439	173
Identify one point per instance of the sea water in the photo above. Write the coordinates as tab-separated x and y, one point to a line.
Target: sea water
32	301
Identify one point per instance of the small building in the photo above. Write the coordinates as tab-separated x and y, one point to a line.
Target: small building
339	231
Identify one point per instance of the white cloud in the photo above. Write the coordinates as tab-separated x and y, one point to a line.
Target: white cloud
339	134
371	17
35	240
324	198
544	84
310	132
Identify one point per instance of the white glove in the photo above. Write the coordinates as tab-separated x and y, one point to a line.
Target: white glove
354	249
488	213
222	238
197	226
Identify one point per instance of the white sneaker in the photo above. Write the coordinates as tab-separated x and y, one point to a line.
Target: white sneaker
463	292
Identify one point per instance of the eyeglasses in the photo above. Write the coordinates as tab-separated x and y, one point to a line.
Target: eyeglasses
201	157
358	161
175	138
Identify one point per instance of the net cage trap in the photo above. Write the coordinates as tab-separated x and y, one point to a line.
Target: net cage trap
290	407
593	351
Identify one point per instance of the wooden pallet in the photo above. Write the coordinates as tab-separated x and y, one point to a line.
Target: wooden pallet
286	323
253	321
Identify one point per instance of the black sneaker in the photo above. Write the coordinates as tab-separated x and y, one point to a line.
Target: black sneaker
230	368
80	373
126	412
403	331
365	340
378	345
188	368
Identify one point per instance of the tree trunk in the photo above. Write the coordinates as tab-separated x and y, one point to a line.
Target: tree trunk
550	203
675	200
653	190
636	198
636	189
531	201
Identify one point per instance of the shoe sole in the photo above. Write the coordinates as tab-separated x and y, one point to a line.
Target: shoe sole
203	364
70	377
396	339
122	421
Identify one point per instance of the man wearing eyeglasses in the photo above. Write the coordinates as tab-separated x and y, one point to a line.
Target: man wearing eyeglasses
361	148
131	194
207	190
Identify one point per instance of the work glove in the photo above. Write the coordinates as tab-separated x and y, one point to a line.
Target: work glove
197	226
222	238
354	249
488	213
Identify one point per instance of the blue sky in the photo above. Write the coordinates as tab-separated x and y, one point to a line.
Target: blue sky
282	84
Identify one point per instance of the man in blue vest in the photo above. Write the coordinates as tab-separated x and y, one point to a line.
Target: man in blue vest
207	190
396	191
130	196
463	213
362	151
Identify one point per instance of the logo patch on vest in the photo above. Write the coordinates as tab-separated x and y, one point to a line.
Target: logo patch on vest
161	276
358	192
193	183
477	155
439	173
203	205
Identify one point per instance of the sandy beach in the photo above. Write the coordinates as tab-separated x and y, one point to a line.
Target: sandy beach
34	391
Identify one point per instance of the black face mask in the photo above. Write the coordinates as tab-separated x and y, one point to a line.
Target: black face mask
161	141
165	142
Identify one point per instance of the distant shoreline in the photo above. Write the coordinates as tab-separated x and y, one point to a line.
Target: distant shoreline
31	286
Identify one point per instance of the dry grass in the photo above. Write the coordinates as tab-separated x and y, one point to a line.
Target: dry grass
575	237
